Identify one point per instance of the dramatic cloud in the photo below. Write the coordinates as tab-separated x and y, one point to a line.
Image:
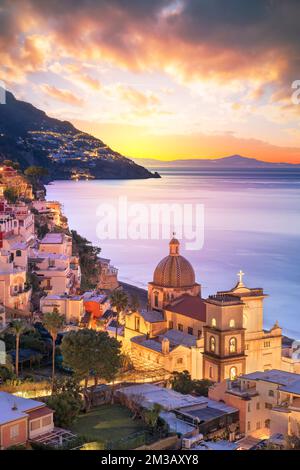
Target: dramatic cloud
247	52
190	38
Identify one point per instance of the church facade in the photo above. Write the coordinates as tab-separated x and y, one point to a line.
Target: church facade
215	338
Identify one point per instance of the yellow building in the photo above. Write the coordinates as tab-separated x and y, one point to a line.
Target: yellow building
216	338
268	402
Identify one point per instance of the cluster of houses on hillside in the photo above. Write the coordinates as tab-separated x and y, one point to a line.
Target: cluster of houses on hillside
51	259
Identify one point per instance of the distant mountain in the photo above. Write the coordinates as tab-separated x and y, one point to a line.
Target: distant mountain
30	137
231	163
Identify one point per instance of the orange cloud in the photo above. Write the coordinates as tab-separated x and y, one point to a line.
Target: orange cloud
62	95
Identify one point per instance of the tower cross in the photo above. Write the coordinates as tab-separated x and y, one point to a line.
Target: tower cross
240	275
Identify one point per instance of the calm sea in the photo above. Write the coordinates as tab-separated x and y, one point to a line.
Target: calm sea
251	222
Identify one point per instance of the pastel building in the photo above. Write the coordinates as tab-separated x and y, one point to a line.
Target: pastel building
53	271
108	279
22	419
14	292
70	306
58	243
269	402
215	338
16	220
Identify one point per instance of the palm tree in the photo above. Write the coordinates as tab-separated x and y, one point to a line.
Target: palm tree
119	301
17	328
53	322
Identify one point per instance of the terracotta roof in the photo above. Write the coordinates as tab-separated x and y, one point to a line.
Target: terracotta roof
189	306
39	413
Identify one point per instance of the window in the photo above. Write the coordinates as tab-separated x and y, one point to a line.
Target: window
233	373
246	347
267	344
171	325
268	406
36	424
258	406
213	322
199	334
179	360
18	253
156	299
249	425
258	426
210	372
190	331
232	345
271	393
137	323
14	431
249	407
212	344
180	327
232	323
51	263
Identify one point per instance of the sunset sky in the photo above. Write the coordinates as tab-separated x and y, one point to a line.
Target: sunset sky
161	79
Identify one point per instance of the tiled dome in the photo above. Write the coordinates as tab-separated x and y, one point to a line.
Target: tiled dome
174	270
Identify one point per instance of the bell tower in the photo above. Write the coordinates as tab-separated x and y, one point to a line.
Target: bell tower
224	338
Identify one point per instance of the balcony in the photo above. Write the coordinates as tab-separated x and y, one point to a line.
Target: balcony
234	387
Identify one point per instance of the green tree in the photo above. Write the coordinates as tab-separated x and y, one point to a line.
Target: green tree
11	195
201	387
65	401
91	353
17	328
53	322
181	382
151	416
89	262
36	172
119	301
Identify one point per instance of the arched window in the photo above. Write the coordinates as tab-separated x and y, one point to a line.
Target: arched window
232	323
232	345
18	253
213	322
233	373
212	344
156	299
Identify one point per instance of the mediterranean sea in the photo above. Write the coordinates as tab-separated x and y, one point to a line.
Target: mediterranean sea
251	222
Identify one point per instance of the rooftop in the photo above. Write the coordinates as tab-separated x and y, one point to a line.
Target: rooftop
52	237
13	407
62	297
90	296
152	316
189	306
288	381
175	337
167	398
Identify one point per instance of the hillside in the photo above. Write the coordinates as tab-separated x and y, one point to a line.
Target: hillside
30	137
233	162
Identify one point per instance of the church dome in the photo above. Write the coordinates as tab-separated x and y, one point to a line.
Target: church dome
174	270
